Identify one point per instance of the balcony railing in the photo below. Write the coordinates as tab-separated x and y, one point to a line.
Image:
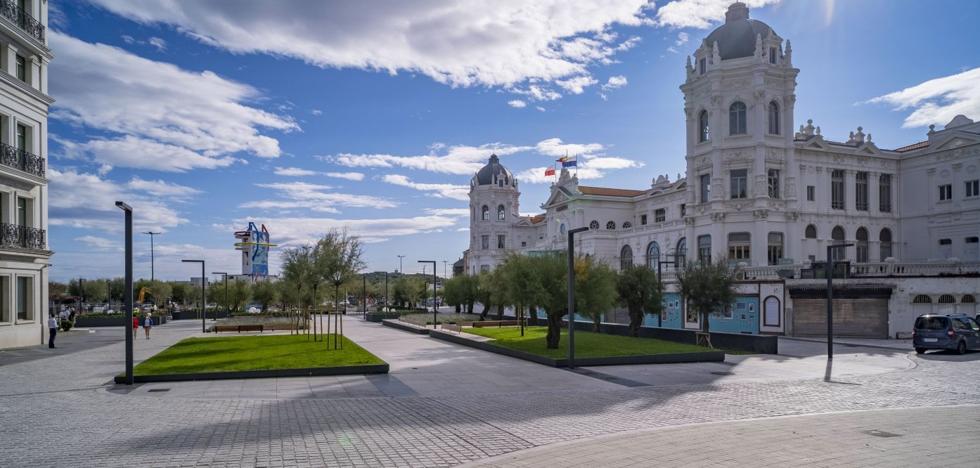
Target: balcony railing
22	237
10	10
22	160
853	270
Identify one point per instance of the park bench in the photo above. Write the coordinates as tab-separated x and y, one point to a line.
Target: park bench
495	323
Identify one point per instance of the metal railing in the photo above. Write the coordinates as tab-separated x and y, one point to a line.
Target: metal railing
22	237
10	10
21	160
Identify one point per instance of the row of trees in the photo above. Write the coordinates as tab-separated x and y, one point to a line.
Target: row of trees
528	283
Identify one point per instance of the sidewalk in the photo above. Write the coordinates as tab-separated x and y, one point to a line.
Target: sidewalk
900	345
897	437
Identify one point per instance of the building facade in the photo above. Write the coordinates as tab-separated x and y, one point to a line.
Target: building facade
24	102
757	192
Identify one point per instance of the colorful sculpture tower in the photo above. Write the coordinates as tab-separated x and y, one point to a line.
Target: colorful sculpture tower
254	244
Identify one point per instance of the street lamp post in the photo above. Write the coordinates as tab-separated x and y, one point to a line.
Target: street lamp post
203	296
225	275
435	308
128	289
829	269
151	234
364	294
571	294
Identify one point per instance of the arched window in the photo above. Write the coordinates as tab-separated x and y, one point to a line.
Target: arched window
627	225
838	236
862	244
485	213
653	255
736	119
680	254
562	230
811	231
773	118
771	312
703	130
625	257
922	299
947	299
968	299
885	243
501	213
594	225
611	225
704	248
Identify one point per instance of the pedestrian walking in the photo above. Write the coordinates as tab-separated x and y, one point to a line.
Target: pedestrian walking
136	325
52	330
147	325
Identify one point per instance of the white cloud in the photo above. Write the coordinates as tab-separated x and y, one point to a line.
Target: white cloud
302	195
556	148
456	192
465	43
293	172
592	162
354	176
162	188
316	112
517	103
457	212
699	13
87	201
293	231
617	81
577	84
938	100
682	38
459	159
540	109
156	115
160	44
99	243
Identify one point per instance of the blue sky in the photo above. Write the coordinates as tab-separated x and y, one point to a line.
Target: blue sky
372	116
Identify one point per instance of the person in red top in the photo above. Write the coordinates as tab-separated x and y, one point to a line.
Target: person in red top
136	325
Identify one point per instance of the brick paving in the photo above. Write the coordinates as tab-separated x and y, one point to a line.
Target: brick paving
61	411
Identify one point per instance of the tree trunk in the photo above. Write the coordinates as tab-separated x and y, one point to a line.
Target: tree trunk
705	331
534	315
554	330
596	320
636	320
500	311
459	308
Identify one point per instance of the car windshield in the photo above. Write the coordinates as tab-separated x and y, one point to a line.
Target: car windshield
930	323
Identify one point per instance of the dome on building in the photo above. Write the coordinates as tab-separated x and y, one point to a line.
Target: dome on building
736	38
494	173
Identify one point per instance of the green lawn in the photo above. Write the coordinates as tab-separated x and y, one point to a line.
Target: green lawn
249	353
587	344
426	319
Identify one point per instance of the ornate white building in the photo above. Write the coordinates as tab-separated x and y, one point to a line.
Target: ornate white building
755	192
24	101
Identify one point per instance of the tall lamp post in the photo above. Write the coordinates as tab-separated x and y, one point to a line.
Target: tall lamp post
128	289
151	234
571	294
203	295
435	308
829	269
225	275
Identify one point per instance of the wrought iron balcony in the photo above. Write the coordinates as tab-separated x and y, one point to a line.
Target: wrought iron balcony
22	237
22	160
10	10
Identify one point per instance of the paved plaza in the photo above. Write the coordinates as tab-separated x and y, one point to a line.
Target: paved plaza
445	405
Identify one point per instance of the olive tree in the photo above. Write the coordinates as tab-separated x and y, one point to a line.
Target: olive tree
707	287
641	293
595	289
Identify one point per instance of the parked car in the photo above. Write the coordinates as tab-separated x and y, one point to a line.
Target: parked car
949	332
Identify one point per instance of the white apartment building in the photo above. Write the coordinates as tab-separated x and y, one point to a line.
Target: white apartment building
24	102
757	192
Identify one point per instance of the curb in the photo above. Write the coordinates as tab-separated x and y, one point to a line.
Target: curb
404	326
852	345
706	356
260	374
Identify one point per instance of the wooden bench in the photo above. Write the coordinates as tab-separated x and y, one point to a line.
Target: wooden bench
495	323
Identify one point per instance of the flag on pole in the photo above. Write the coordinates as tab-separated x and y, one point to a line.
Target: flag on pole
549	171
569	161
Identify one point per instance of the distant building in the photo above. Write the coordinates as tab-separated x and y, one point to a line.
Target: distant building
24	102
766	198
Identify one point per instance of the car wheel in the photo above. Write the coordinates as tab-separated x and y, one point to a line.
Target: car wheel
961	348
920	350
